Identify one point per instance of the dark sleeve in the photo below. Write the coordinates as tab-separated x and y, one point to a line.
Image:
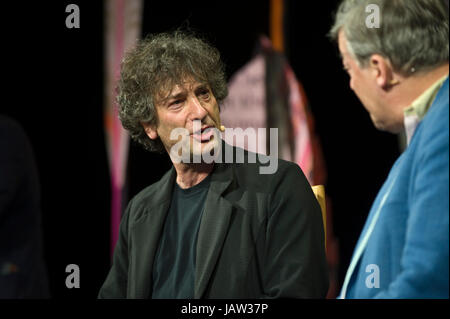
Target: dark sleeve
12	165
115	285
295	263
23	273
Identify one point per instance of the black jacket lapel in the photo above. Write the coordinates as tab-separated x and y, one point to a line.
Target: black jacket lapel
213	228
145	234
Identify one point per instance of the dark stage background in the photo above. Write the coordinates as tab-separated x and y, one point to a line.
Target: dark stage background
53	86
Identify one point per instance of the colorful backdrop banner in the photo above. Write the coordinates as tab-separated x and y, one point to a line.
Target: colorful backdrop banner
122	29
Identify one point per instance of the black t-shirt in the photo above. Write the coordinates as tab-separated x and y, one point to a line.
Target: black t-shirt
174	265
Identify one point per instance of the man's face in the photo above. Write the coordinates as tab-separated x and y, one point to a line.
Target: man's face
363	83
184	104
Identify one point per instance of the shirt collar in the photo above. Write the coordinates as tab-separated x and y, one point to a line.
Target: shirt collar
419	107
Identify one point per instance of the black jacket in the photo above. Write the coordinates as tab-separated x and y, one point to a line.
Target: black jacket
261	236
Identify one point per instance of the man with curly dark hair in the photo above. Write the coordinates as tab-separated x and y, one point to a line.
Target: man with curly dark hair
207	229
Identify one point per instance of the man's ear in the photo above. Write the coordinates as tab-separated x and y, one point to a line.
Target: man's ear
383	72
150	130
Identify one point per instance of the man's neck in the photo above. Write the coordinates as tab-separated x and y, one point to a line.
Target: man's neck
189	175
409	89
415	85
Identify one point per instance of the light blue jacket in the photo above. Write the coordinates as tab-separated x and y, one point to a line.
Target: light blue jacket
403	250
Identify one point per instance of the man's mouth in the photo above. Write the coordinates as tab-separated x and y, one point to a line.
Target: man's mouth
204	135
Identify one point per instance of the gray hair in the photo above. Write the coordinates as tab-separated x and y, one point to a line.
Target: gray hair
153	67
413	34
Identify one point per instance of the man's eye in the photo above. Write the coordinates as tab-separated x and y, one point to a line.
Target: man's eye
176	103
204	94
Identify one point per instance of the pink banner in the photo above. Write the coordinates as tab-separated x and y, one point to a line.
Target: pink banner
122	29
245	107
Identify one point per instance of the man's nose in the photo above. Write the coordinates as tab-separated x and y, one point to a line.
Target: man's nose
197	110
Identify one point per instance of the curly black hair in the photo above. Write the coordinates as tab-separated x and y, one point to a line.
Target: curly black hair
155	65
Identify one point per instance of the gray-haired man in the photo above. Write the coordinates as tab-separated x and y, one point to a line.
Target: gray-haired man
399	71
